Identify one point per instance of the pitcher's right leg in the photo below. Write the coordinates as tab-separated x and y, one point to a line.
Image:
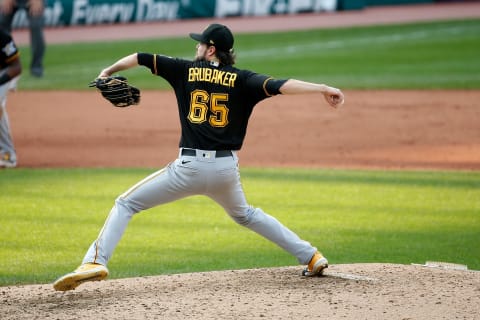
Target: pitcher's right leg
156	189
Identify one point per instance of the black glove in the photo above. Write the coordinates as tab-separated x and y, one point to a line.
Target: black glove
117	90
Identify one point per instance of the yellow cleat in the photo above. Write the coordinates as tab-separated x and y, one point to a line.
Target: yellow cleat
86	272
316	266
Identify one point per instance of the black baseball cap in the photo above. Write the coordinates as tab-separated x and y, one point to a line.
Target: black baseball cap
216	35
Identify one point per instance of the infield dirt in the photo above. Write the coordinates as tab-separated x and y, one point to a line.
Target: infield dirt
374	129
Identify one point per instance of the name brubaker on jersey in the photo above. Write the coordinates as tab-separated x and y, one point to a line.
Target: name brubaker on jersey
212	75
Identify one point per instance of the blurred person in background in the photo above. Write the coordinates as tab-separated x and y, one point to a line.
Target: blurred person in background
10	69
35	13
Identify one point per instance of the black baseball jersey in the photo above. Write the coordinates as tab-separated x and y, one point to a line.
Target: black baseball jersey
9	50
214	101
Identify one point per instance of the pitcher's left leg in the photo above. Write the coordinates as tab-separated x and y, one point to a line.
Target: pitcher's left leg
232	198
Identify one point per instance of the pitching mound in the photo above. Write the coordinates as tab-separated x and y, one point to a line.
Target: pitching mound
356	291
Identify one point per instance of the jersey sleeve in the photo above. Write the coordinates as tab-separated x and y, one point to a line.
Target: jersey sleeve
262	85
9	51
161	65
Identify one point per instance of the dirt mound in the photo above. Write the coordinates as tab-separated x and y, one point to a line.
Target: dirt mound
355	291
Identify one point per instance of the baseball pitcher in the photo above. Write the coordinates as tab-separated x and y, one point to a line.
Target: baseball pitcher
215	101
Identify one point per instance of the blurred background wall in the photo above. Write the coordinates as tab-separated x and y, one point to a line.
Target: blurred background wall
60	13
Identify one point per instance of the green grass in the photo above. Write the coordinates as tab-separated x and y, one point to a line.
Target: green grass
439	55
50	216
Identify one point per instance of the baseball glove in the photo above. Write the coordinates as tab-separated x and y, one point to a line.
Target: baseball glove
117	90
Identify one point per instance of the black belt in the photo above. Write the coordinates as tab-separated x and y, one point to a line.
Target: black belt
218	153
